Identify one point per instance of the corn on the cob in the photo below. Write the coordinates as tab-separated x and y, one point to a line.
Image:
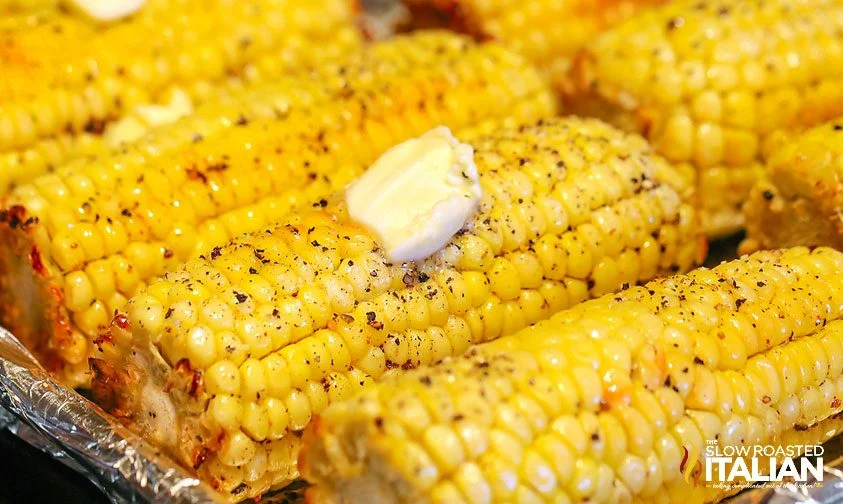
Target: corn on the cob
65	75
8	7
27	5
715	85
800	199
87	237
277	324
547	32
101	137
598	403
42	156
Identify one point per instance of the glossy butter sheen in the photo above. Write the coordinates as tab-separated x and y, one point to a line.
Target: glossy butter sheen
417	195
146	116
108	10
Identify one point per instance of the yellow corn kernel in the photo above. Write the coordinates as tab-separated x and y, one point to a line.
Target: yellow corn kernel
525	26
255	422
222	377
78	292
237	449
604	447
798	201
189	186
720	116
226	411
63	111
291	348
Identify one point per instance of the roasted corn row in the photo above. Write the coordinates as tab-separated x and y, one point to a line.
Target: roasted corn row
77	243
547	32
603	403
65	78
716	85
226	359
800	199
8	7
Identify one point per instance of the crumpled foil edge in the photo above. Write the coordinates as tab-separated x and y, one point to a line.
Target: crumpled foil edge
62	423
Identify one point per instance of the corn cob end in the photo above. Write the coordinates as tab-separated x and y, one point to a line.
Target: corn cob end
31	302
112	387
583	93
773	221
798	200
447	14
341	469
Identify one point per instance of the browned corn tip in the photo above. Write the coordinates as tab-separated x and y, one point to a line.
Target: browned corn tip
799	200
548	33
453	15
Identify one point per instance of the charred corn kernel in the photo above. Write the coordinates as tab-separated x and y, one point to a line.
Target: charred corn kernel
68	79
286	144
635	438
527	26
716	87
406	315
799	199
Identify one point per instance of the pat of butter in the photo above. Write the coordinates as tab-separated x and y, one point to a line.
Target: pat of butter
108	10
417	195
156	115
126	130
143	117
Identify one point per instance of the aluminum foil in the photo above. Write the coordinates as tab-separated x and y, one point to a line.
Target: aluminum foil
65	425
